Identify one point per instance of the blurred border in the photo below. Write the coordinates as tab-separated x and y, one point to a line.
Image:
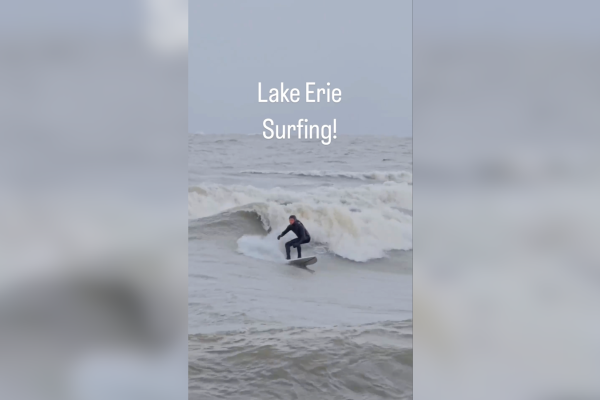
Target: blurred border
506	267
93	166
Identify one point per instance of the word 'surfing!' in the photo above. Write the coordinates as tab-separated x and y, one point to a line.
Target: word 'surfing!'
323	132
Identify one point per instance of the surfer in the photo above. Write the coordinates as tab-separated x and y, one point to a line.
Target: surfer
302	236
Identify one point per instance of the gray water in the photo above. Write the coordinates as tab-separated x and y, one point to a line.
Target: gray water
260	329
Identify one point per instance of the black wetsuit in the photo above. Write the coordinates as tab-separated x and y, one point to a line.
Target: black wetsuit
303	237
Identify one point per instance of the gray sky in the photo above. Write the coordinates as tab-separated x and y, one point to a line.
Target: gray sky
521	19
363	48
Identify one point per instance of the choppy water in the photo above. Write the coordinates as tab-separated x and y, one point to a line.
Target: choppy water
259	329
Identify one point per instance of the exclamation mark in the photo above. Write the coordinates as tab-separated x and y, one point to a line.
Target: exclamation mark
334	128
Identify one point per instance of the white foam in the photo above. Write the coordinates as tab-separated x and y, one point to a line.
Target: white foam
261	247
359	223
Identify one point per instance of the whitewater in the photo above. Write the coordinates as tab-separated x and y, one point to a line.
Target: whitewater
355	199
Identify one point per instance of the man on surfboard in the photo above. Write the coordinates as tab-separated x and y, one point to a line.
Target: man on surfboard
300	231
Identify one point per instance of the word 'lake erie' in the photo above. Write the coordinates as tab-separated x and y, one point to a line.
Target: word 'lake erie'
314	95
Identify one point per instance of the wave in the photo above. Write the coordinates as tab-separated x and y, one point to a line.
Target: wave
360	223
370	361
380	176
228	223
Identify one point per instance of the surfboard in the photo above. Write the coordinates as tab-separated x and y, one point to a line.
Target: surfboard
303	262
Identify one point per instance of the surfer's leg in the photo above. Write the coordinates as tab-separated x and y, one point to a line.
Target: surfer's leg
287	250
299	248
288	245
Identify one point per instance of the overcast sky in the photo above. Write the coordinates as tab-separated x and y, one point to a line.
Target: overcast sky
363	48
508	19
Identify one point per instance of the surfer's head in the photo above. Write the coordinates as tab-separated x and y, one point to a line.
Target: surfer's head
292	219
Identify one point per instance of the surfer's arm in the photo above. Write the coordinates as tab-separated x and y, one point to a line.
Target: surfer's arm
284	232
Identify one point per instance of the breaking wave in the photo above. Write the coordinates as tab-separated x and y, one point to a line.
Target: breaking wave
360	223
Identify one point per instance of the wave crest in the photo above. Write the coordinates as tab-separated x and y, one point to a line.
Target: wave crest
380	176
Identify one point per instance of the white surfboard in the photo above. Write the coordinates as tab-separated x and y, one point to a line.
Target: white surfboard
303	262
